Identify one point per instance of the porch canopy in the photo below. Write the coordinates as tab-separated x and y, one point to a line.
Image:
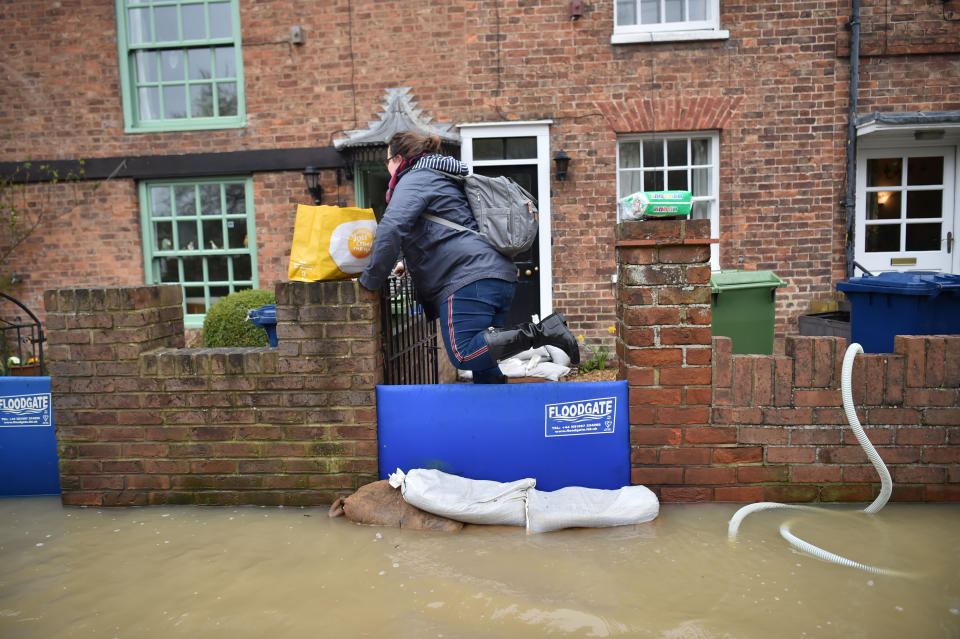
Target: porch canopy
930	122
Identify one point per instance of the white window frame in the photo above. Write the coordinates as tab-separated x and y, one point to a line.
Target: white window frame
540	129
876	141
708	29
713	197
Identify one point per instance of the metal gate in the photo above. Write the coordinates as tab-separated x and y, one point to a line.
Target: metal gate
410	347
21	340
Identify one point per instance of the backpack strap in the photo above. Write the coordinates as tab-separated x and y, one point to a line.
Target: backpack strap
447	223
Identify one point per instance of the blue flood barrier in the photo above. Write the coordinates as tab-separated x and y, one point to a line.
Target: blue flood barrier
28	443
561	434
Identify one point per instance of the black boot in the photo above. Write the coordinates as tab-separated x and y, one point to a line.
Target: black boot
502	343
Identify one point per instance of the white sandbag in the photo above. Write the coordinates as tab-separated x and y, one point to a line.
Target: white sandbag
557	355
513	367
530	352
474	501
576	507
548	370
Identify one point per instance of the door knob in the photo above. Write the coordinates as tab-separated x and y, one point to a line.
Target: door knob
528	272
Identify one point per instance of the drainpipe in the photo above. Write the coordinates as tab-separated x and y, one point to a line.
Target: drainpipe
850	202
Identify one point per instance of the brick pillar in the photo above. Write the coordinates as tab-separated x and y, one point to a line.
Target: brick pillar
664	348
95	338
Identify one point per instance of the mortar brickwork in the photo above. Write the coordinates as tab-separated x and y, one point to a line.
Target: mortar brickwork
142	421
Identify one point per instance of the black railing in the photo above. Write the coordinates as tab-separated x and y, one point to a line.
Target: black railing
21	340
410	347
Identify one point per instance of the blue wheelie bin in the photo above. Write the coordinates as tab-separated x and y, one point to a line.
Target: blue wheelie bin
266	318
891	304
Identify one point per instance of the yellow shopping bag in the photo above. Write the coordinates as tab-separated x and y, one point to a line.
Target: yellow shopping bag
331	243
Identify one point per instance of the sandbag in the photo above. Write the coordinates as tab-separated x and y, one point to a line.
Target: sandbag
380	504
474	501
575	507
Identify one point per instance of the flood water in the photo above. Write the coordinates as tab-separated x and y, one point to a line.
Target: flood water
277	573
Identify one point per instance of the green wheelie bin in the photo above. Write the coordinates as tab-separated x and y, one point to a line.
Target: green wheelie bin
743	308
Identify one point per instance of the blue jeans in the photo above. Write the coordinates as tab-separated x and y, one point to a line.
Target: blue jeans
465	315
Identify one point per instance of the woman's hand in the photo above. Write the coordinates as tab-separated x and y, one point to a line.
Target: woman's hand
400	271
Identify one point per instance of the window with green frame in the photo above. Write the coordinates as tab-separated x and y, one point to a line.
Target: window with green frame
180	64
199	234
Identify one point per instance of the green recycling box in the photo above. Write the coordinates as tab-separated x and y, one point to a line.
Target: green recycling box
743	308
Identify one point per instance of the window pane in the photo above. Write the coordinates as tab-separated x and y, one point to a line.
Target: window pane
166	18
210	199
193	297
629	155
521	148
923	237
193	269
149	98
924	204
883	238
201	64
700	210
241	268
163	236
883	205
488	149
698	10
160	201
226	62
169	269
212	234
139	20
186	201
653	181
227	98
236	234
217	269
194	27
701	182
201	101
630	182
925	171
649	11
236	199
216	292
884	171
676	152
677	181
674	11
146	62
653	153
626	12
701	151
171	65
221	23
175	102
187	236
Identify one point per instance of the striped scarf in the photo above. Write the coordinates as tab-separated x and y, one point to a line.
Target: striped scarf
442	163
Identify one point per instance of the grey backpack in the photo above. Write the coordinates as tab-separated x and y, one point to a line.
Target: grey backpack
505	212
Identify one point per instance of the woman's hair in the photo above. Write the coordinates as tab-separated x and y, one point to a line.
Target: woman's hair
410	144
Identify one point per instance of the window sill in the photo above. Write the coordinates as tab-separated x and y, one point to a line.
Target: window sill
669	36
186	126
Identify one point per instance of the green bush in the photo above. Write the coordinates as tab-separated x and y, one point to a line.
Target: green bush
226	322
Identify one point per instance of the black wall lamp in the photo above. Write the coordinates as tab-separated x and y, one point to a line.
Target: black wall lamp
562	162
312	177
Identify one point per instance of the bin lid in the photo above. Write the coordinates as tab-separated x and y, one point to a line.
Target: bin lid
912	283
735	279
263	315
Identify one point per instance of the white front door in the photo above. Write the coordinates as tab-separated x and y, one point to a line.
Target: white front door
907	209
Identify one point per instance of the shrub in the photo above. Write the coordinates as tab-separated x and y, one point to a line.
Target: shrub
226	322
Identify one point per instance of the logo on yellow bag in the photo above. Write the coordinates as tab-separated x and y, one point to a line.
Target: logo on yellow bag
360	243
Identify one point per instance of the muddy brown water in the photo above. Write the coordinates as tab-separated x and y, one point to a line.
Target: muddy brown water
277	573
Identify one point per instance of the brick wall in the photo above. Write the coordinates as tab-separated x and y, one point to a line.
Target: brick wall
707	425
776	91
141	420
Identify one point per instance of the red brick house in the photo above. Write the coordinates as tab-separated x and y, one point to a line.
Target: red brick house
195	119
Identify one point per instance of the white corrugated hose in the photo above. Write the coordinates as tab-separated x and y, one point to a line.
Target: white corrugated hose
886	483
